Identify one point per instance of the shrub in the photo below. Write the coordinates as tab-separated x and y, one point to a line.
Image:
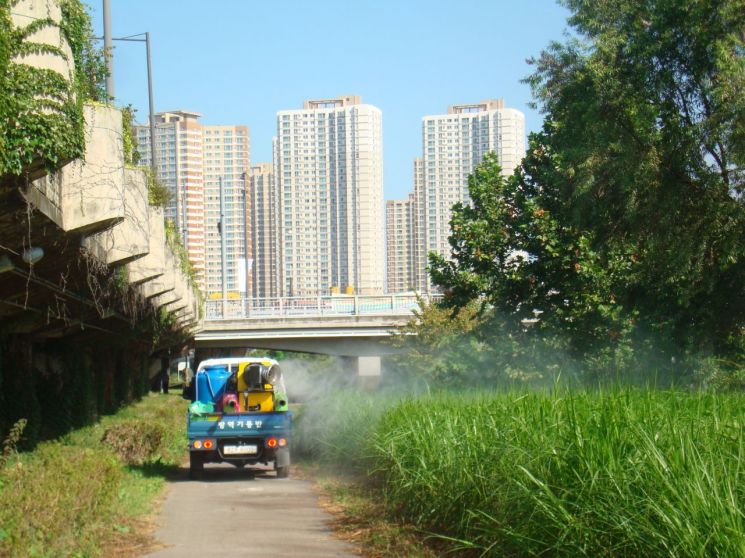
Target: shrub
135	441
11	441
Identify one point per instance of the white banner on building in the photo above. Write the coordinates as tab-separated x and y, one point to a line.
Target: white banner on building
240	272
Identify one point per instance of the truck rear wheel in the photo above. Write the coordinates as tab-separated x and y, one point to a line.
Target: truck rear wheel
196	465
283	472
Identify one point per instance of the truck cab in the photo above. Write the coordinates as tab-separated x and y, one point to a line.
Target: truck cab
238	415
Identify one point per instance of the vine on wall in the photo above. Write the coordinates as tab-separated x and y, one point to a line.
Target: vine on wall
5	28
174	242
90	61
158	195
74	387
132	155
41	112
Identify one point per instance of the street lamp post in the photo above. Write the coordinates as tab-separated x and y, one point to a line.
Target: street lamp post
110	79
223	265
107	47
150	104
245	241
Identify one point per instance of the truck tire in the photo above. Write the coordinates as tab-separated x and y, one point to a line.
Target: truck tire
283	472
196	465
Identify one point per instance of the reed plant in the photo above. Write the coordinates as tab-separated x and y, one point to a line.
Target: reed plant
336	428
617	473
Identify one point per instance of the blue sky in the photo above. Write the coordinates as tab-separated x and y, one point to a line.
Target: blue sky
240	61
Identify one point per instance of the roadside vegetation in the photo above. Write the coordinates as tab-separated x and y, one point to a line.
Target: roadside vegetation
620	472
597	295
89	492
616	248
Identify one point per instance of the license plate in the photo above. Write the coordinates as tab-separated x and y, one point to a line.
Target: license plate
240	450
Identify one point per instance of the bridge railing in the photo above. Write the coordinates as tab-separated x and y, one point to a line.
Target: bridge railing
310	306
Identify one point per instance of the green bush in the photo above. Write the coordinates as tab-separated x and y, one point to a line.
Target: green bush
41	516
135	441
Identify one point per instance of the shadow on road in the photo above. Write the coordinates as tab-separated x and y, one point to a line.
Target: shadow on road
157	469
212	473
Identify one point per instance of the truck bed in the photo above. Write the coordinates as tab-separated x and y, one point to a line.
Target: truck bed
219	425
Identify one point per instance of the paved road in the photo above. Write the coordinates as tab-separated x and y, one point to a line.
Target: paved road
230	514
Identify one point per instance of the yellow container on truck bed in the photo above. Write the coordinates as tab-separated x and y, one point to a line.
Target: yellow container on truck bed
257	401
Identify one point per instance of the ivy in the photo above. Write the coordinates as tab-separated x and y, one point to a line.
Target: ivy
90	62
131	153
158	194
41	112
174	242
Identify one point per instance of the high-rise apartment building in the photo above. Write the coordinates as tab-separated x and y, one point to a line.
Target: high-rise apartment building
453	144
192	161
180	168
419	278
328	163
263	231
400	244
226	166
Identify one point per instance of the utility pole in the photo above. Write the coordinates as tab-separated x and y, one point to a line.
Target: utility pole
107	46
150	103
107	40
223	273
245	239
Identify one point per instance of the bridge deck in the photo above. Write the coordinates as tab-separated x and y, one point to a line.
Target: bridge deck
346	325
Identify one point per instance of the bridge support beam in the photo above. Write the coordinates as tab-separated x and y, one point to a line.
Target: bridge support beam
366	369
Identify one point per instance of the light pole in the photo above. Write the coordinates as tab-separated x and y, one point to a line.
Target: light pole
109	55
110	79
223	265
245	240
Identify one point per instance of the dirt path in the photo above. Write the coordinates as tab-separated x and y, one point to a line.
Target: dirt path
231	514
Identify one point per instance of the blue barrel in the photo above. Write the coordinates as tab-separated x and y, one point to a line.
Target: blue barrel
211	383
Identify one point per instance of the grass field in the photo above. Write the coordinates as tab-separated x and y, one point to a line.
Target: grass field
79	496
617	473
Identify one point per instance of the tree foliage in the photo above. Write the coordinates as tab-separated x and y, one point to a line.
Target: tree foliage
438	343
623	229
648	127
132	155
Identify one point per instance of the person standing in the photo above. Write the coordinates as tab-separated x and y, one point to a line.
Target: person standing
164	373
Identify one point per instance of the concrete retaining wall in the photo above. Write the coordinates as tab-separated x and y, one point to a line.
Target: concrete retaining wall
130	238
89	191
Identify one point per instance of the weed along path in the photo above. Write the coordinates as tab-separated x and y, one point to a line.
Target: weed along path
229	513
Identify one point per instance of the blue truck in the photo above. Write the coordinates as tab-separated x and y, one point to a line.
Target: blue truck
238	415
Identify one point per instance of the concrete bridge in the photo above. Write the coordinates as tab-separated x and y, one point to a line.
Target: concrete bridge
343	325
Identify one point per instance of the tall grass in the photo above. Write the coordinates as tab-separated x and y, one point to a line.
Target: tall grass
336	428
627	473
618	473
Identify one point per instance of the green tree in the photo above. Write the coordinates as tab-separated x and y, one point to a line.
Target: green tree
441	347
534	277
647	127
626	220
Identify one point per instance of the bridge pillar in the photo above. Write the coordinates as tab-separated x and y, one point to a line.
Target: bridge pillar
368	371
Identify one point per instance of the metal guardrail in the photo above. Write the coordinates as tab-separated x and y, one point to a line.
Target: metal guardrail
313	306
